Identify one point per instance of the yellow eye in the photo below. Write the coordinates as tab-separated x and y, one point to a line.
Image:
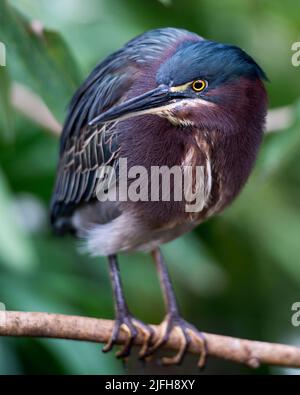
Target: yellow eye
199	85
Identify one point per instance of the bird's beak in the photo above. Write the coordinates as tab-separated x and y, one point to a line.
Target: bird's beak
148	103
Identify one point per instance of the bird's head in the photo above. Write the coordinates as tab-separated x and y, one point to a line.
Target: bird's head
204	84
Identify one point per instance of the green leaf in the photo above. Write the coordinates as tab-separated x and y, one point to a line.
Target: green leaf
9	363
273	225
5	106
194	266
166	3
281	147
45	56
91	360
16	250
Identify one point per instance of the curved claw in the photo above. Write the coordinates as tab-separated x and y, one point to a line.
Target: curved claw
184	345
172	323
113	338
148	333
131	326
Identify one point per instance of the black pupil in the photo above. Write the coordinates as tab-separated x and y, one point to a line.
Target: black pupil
198	85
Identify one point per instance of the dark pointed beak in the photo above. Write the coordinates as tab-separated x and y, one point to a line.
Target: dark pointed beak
147	103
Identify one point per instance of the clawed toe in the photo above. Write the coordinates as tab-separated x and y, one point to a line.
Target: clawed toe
186	330
148	334
131	326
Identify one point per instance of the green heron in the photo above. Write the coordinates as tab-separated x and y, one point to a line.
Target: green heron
167	98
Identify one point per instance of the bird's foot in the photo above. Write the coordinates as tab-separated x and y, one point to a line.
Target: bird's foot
186	330
131	326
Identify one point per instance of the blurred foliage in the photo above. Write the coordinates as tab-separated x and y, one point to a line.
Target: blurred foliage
237	274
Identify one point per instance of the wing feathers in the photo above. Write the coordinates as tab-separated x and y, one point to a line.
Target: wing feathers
83	150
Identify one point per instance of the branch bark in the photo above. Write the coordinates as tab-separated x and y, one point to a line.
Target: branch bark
279	119
33	107
251	353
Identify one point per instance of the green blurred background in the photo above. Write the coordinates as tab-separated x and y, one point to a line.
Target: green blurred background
238	274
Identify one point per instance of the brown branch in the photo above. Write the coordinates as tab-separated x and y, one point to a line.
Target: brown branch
251	353
33	107
279	119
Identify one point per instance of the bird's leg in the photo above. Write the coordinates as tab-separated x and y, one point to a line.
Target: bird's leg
124	319
173	319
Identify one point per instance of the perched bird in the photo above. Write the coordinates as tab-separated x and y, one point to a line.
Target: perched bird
167	98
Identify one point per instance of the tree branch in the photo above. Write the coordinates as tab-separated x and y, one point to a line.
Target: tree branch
279	119
251	353
33	107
